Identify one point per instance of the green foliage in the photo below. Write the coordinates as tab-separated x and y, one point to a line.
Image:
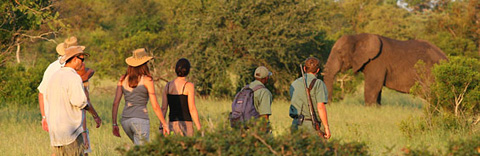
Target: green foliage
22	20
451	99
453	26
455	90
226	141
347	83
456	87
464	146
226	40
468	146
18	84
234	37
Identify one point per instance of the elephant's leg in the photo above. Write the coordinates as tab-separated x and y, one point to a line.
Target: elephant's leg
373	88
379	98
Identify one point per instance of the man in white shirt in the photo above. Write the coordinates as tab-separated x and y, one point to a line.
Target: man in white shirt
66	99
52	68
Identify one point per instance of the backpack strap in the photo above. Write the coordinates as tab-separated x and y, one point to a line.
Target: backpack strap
258	87
312	84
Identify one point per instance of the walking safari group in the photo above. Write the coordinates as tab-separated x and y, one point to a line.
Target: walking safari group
64	100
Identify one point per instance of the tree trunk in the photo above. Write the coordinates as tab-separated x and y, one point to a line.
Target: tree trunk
18	53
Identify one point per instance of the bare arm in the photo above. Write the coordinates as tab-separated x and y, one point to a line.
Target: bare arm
153	100
42	111
164	100
92	110
116	102
191	105
323	116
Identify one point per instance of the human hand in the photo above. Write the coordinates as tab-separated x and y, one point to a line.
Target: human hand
327	133
116	131
44	124
98	121
166	130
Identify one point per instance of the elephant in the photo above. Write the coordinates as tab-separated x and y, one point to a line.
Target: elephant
383	61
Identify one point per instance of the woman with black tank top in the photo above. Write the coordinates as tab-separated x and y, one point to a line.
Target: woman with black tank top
137	86
179	95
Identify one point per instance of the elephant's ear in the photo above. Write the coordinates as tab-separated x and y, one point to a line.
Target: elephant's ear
367	47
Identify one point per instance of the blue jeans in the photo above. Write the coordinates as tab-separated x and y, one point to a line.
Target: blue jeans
137	129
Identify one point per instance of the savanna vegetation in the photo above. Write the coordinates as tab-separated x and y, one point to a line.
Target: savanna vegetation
225	40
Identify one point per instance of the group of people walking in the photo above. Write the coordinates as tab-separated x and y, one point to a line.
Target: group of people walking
64	99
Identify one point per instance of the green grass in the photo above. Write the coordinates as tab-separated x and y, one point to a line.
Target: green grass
21	132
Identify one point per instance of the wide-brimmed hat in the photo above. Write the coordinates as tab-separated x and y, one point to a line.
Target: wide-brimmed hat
72	51
262	72
71	41
139	57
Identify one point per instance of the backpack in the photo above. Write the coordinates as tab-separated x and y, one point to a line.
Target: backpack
243	107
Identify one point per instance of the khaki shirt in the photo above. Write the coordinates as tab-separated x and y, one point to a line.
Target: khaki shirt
66	98
299	101
262	99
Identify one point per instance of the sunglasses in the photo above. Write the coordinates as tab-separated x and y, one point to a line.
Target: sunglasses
83	59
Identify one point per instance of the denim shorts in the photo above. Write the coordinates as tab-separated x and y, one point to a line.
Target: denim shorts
137	129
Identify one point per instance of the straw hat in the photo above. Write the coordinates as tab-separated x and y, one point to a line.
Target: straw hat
72	41
139	57
72	51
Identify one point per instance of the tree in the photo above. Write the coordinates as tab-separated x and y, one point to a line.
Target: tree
25	21
227	40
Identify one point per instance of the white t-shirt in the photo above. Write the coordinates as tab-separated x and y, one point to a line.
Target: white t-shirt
66	98
42	88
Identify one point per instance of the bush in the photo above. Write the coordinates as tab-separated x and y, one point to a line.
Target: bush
454	95
346	83
18	84
227	141
466	147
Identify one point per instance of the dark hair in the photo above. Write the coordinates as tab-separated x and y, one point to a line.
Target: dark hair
312	64
134	74
182	68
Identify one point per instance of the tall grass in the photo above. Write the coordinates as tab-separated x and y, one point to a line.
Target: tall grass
349	120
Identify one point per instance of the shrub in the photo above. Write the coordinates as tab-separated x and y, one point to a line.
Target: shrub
18	84
466	147
453	96
346	83
227	141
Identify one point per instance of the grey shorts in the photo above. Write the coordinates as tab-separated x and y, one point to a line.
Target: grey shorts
137	129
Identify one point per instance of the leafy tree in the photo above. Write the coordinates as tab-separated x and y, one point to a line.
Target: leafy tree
229	39
24	21
455	27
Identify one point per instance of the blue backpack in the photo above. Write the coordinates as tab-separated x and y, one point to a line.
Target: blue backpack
243	107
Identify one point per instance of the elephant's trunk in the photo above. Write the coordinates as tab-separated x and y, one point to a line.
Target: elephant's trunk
332	67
